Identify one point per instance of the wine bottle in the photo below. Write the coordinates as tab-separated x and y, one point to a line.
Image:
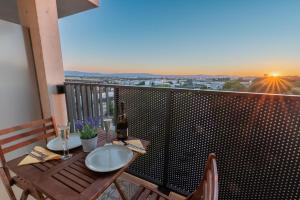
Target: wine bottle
122	123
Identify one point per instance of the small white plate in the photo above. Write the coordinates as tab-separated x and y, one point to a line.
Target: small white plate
56	144
108	158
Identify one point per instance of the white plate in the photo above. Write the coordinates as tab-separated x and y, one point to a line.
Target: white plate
56	144
108	158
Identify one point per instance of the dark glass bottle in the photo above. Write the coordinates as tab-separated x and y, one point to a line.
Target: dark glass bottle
122	123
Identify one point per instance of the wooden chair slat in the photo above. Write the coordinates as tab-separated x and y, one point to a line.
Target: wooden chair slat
207	189
153	196
25	126
26	134
206	193
215	180
144	194
27	142
209	184
7	184
39	130
138	192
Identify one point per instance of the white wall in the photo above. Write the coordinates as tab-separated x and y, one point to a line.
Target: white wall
19	97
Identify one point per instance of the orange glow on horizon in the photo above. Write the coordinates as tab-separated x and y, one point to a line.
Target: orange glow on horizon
275	74
272	84
177	70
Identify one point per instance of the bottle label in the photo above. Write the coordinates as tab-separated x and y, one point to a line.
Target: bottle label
122	133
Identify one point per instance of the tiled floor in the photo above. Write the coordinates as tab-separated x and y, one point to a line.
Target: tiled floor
110	194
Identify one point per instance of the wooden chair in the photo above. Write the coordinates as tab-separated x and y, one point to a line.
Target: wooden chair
15	138
207	189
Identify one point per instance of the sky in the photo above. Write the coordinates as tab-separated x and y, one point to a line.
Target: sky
215	37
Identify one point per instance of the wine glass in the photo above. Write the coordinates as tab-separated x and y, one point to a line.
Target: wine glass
107	125
64	134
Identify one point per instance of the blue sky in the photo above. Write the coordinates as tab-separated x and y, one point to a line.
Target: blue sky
240	37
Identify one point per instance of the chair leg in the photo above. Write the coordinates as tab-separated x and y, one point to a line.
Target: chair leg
24	195
40	195
120	190
7	184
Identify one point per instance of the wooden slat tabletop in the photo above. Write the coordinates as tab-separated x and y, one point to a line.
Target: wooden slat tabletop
69	179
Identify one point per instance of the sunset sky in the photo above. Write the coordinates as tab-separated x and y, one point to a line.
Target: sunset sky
233	37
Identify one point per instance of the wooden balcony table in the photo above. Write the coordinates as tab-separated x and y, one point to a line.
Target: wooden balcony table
70	179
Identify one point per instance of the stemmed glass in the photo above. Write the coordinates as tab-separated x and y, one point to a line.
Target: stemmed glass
64	134
107	124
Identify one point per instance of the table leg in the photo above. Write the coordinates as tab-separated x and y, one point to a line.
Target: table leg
120	190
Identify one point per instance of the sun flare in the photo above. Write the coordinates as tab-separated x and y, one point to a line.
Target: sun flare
275	74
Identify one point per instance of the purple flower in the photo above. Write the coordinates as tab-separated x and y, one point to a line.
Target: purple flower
96	122
79	125
90	122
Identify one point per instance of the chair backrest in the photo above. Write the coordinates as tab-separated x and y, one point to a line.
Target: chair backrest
20	136
208	187
25	134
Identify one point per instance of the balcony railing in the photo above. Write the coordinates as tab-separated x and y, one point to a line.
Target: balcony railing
256	137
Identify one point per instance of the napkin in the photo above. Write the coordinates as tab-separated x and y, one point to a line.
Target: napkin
30	160
134	145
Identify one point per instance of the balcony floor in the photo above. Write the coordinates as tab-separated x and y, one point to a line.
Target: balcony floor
110	194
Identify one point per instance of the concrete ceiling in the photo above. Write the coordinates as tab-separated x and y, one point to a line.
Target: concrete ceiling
9	10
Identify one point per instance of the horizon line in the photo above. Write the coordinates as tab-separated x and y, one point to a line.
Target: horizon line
158	74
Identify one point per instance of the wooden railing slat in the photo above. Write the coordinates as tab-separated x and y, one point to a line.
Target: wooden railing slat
70	104
78	102
95	101
89	101
101	104
84	101
107	101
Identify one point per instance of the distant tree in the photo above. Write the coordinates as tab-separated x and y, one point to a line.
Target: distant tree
234	85
164	85
187	84
275	85
295	91
141	83
203	87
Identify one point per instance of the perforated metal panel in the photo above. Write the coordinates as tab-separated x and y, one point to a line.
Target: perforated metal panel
256	138
147	114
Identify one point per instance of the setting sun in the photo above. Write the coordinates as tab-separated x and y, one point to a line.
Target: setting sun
275	74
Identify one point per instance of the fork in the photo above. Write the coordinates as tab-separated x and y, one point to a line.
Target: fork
41	159
131	145
40	153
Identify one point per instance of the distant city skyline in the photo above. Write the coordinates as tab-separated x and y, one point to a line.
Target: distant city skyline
232	37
